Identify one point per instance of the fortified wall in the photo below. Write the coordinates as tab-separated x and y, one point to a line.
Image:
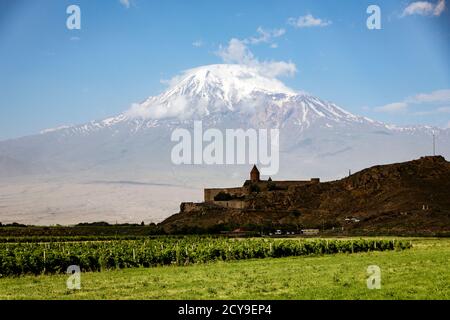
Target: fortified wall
234	198
235	192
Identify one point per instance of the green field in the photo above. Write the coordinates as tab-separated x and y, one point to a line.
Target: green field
422	272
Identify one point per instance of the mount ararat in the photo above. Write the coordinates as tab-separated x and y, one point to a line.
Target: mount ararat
120	168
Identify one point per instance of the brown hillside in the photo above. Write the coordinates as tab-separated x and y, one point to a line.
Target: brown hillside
403	198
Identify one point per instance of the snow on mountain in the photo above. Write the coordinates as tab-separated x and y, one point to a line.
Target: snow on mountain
227	85
119	168
216	90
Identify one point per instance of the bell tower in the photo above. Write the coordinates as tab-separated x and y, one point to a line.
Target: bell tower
254	174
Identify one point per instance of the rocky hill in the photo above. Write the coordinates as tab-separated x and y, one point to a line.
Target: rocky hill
402	198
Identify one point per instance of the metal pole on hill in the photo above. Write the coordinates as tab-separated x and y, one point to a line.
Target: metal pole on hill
434	144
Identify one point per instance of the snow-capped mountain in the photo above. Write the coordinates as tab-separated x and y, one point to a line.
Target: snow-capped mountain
217	90
119	169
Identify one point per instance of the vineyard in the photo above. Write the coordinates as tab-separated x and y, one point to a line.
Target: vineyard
55	257
36	239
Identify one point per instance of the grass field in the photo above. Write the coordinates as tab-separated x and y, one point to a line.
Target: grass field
422	272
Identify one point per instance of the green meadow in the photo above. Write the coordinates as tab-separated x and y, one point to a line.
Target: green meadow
422	272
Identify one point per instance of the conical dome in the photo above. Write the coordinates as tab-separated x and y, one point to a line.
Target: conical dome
254	174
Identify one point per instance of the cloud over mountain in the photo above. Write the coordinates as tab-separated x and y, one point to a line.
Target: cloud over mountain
237	52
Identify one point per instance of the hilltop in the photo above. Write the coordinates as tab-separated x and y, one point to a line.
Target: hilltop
403	198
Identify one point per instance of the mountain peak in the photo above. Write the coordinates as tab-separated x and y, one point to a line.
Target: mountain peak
231	78
209	89
237	89
223	92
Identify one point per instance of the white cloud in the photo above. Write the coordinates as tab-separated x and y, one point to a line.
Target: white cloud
448	125
273	69
308	21
177	107
265	36
237	52
443	110
125	3
395	107
429	100
440	7
435	96
198	43
172	81
420	7
440	110
424	8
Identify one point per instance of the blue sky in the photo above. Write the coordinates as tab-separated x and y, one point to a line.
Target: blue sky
52	76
